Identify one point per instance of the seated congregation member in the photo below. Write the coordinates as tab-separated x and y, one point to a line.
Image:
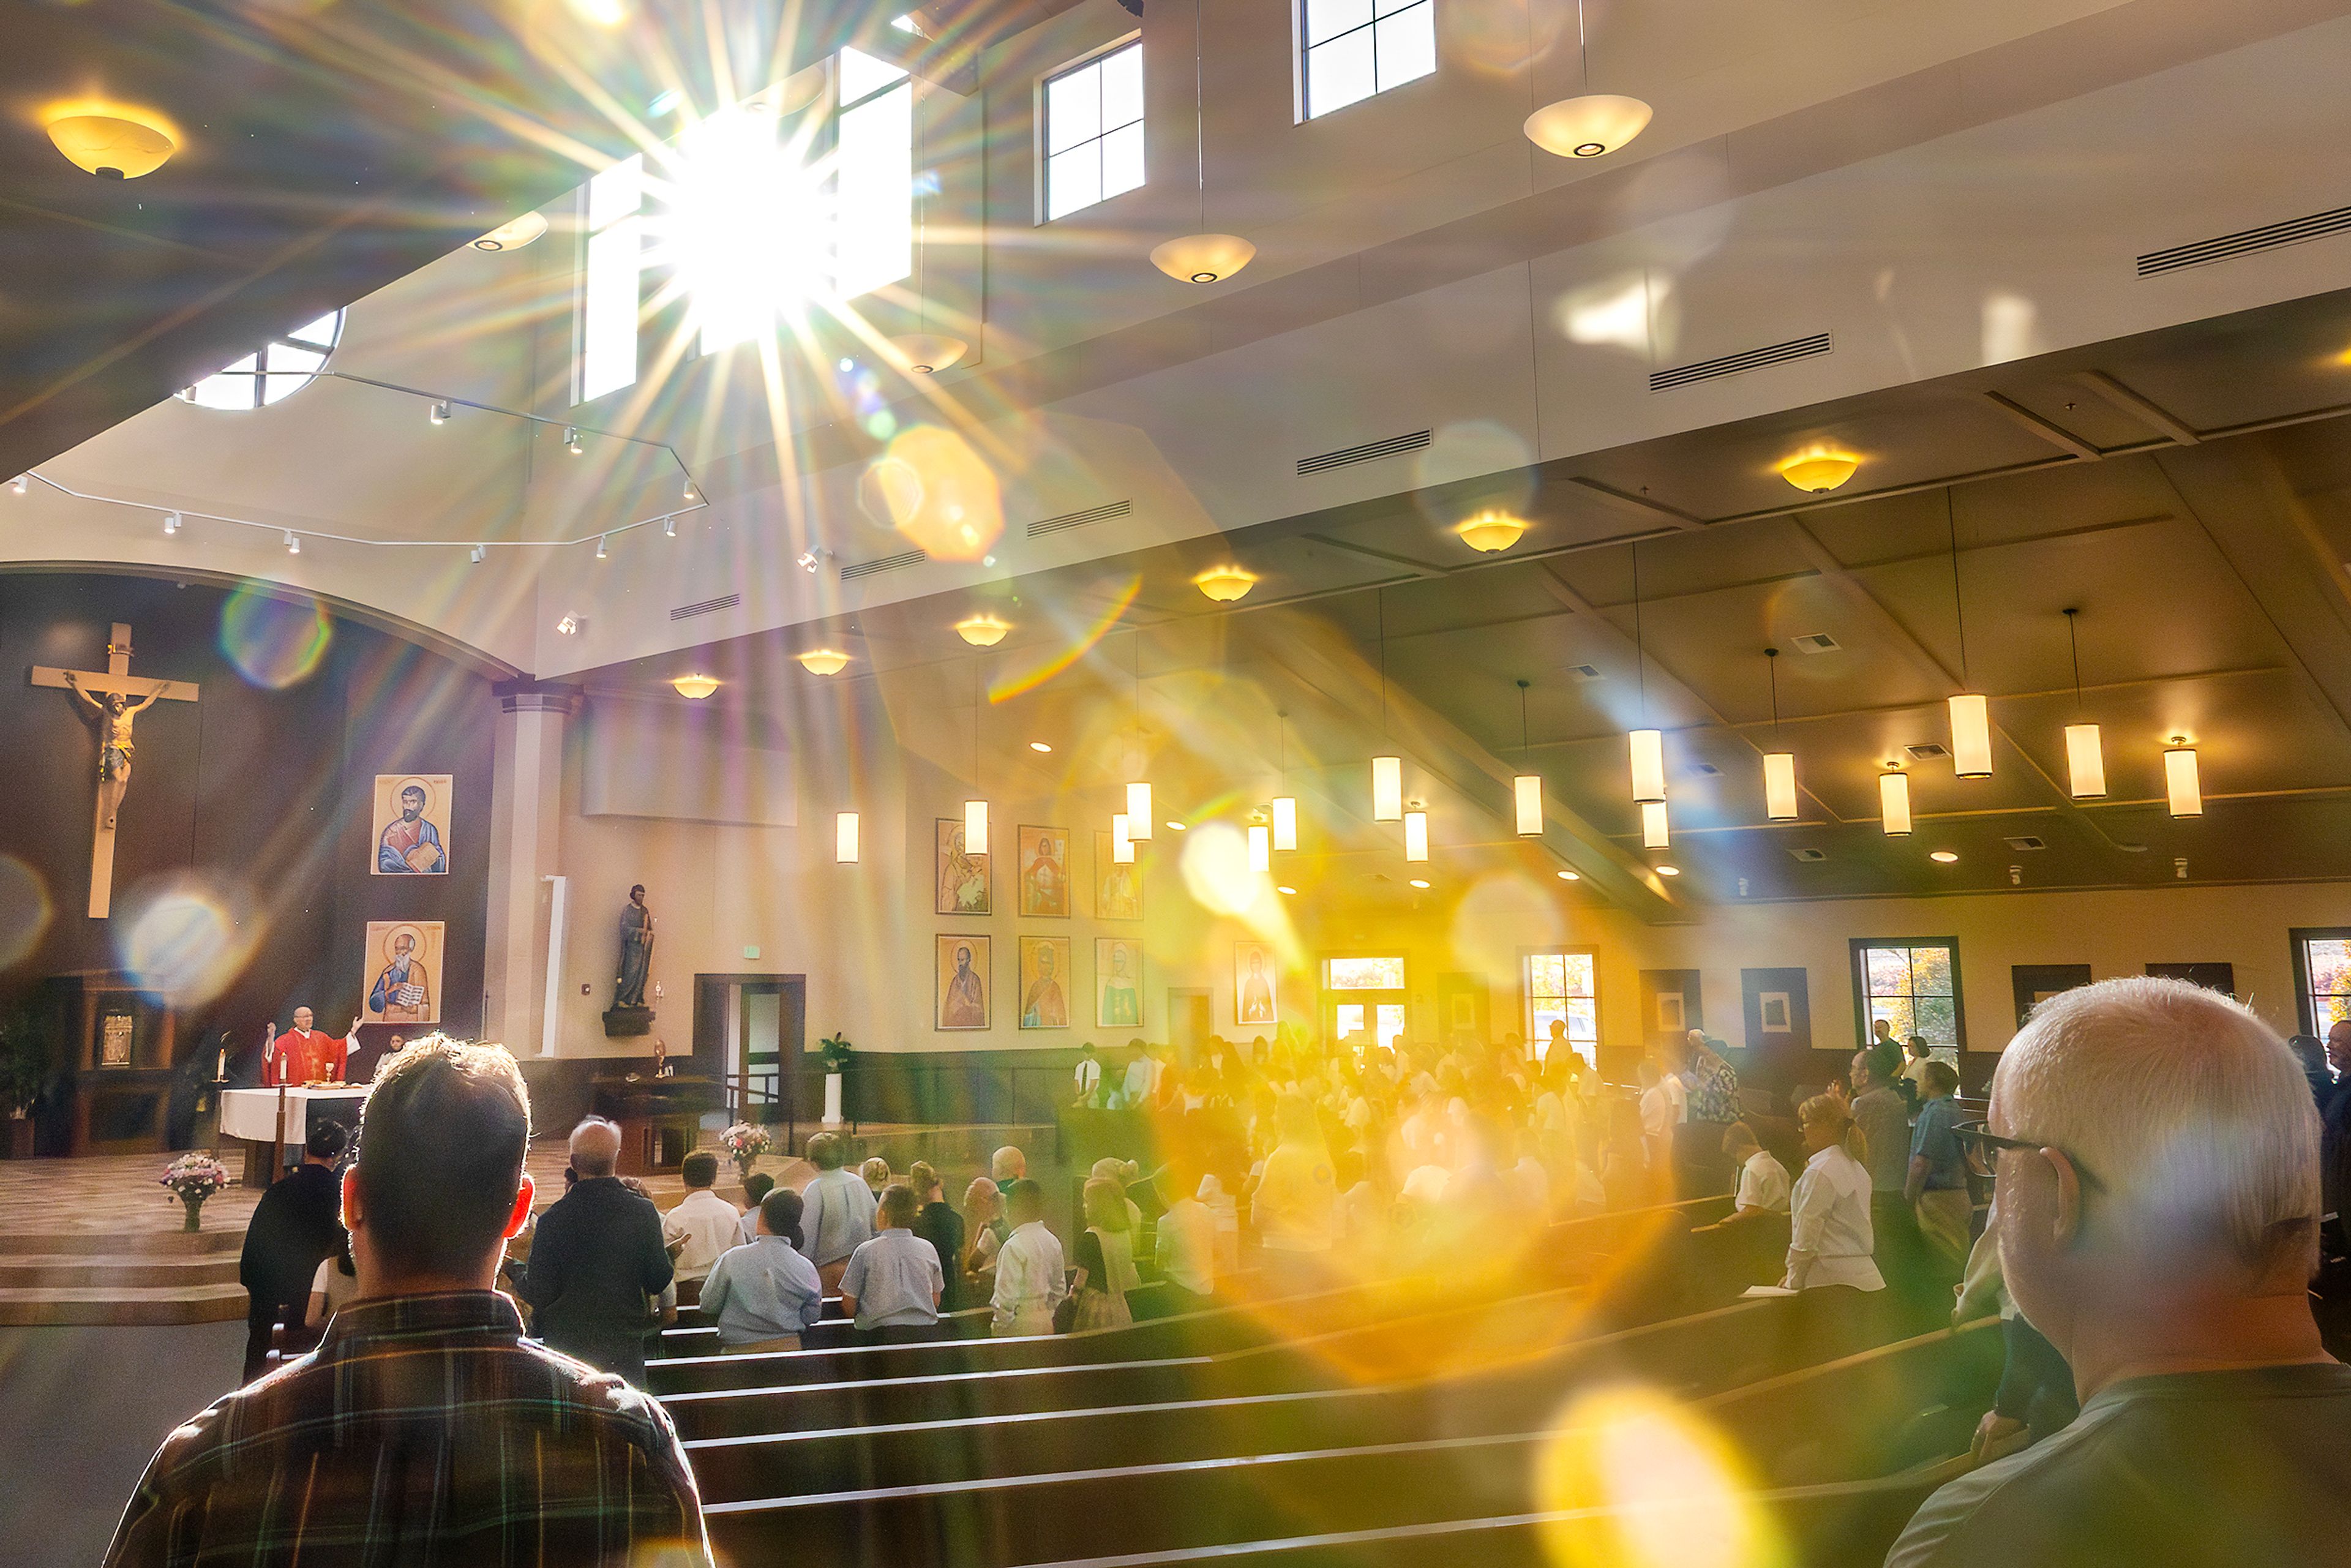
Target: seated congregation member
598	1261
2156	1162
756	1188
295	1228
1030	1276
1830	1239
1763	1187
397	1440
332	1287
840	1215
1186	1244
1660	1126
893	1282
1936	1181
765	1293
1104	1258
936	1222
702	1227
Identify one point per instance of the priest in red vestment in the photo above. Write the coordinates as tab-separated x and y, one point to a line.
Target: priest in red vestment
303	1055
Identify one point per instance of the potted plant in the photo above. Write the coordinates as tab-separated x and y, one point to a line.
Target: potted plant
745	1142
835	1049
195	1178
24	1074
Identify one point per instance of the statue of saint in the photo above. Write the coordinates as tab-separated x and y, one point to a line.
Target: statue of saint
636	951
114	745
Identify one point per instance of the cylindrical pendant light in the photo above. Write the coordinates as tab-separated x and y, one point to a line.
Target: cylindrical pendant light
974	827
1260	846
844	838
1387	789
2181	786
1649	750
1526	789
1893	803
1285	822
1779	766
1415	835
2086	759
1653	825
1138	809
1970	712
1122	847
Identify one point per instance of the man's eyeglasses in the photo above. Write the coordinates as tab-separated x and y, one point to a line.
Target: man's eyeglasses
1983	1147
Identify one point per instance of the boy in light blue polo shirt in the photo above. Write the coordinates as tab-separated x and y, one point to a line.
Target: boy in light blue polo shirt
893	1282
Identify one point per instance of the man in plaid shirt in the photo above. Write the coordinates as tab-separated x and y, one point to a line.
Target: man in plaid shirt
425	1429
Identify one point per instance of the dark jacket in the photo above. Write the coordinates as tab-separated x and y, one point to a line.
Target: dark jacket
597	1257
298	1223
942	1226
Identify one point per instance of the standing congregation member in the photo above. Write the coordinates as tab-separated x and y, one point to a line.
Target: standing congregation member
426	1430
1104	1257
1031	1278
1937	1183
698	1230
1088	1076
893	1282
1710	1106
1830	1239
1295	1209
937	1223
1007	1166
297	1225
756	1188
1187	1245
597	1261
2155	1164
1882	1113
765	1293
985	1230
840	1213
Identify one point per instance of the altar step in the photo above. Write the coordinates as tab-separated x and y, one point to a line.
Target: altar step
91	1278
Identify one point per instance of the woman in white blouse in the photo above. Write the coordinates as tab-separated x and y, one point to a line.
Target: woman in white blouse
1831	1241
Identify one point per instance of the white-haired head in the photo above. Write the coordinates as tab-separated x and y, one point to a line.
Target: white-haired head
2191	1125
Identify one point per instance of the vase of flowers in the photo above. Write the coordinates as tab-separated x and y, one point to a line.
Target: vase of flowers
745	1142
835	1049
194	1178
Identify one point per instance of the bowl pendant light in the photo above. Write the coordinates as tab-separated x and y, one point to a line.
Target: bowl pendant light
1893	803
923	352
1779	766
2183	789
113	141
1201	257
2085	760
1260	846
1526	789
1415	835
844	838
1970	711
1591	123
1122	847
1653	825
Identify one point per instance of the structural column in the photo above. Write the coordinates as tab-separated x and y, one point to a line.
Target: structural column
526	839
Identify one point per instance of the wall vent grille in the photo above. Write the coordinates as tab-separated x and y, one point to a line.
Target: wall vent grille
1080	519
688	611
2245	242
858	569
1739	365
1394	446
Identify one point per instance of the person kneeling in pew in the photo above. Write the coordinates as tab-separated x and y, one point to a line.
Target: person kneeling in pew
893	1283
765	1293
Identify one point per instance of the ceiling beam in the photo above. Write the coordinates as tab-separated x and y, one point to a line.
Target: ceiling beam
2050	431
1639	505
2147	410
1420	568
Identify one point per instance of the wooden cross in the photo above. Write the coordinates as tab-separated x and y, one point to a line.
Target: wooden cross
113	746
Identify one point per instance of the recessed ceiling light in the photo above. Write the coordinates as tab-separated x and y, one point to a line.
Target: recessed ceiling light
1571	876
1176	825
1944	856
1669	871
1039	746
1418	883
1291	891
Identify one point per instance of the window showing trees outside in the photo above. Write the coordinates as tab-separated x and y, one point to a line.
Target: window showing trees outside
1362	974
1093	130
2326	977
1563	988
278	370
1354	48
1910	985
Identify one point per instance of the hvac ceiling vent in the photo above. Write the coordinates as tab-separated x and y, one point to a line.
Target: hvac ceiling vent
1815	643
2245	242
1706	770
1394	446
1741	363
857	569
2026	841
1810	856
688	611
1079	520
1928	751
1583	672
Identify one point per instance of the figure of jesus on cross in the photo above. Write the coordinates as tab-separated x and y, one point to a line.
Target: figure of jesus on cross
126	697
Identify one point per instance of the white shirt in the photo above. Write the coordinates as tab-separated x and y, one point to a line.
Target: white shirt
1187	1246
1089	1073
1551	1113
1678	1093
1141	1074
1658	1116
1030	1276
1763	1184
1832	1238
708	1224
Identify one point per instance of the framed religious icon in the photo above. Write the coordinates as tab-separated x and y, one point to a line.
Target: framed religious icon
410	836
962	969
403	972
1044	982
961	873
114	1040
1255	997
1118	890
1045	872
1118	983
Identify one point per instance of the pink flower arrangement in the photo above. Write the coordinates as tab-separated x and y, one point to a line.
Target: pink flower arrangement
196	1175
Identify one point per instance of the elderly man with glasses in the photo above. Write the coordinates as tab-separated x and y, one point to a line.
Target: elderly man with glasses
2155	1155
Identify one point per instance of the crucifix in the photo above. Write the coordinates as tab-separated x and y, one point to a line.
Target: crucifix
118	697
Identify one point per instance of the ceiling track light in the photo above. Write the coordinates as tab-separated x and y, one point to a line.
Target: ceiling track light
21	483
293	543
439	414
690	494
478	552
572	440
170	523
602	544
669	528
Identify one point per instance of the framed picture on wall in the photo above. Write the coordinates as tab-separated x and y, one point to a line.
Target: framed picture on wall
2036	983
403	972
1045	872
1044	982
411	837
1118	982
961	871
1256	969
1669	1004
962	969
1118	889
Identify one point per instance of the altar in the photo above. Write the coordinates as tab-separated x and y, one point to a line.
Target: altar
251	1116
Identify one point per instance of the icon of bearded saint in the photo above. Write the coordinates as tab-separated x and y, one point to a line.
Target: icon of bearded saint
410	844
